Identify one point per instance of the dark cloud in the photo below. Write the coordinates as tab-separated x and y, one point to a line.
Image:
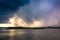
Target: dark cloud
36	10
9	6
30	9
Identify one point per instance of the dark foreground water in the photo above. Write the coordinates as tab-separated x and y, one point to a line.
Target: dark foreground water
30	34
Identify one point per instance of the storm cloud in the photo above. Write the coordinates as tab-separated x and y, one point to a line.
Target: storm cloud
7	7
48	10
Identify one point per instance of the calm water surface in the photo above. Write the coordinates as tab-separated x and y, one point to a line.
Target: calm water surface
30	34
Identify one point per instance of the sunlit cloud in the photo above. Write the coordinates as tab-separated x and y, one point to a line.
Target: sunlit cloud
35	14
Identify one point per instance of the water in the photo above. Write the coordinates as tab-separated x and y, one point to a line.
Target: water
30	34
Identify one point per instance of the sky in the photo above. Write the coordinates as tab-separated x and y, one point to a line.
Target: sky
9	6
47	10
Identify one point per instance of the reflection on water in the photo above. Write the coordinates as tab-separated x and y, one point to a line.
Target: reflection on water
30	34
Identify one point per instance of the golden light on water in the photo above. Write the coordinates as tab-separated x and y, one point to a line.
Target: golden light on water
18	22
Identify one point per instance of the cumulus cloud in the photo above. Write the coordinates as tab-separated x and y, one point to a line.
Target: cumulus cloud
40	10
